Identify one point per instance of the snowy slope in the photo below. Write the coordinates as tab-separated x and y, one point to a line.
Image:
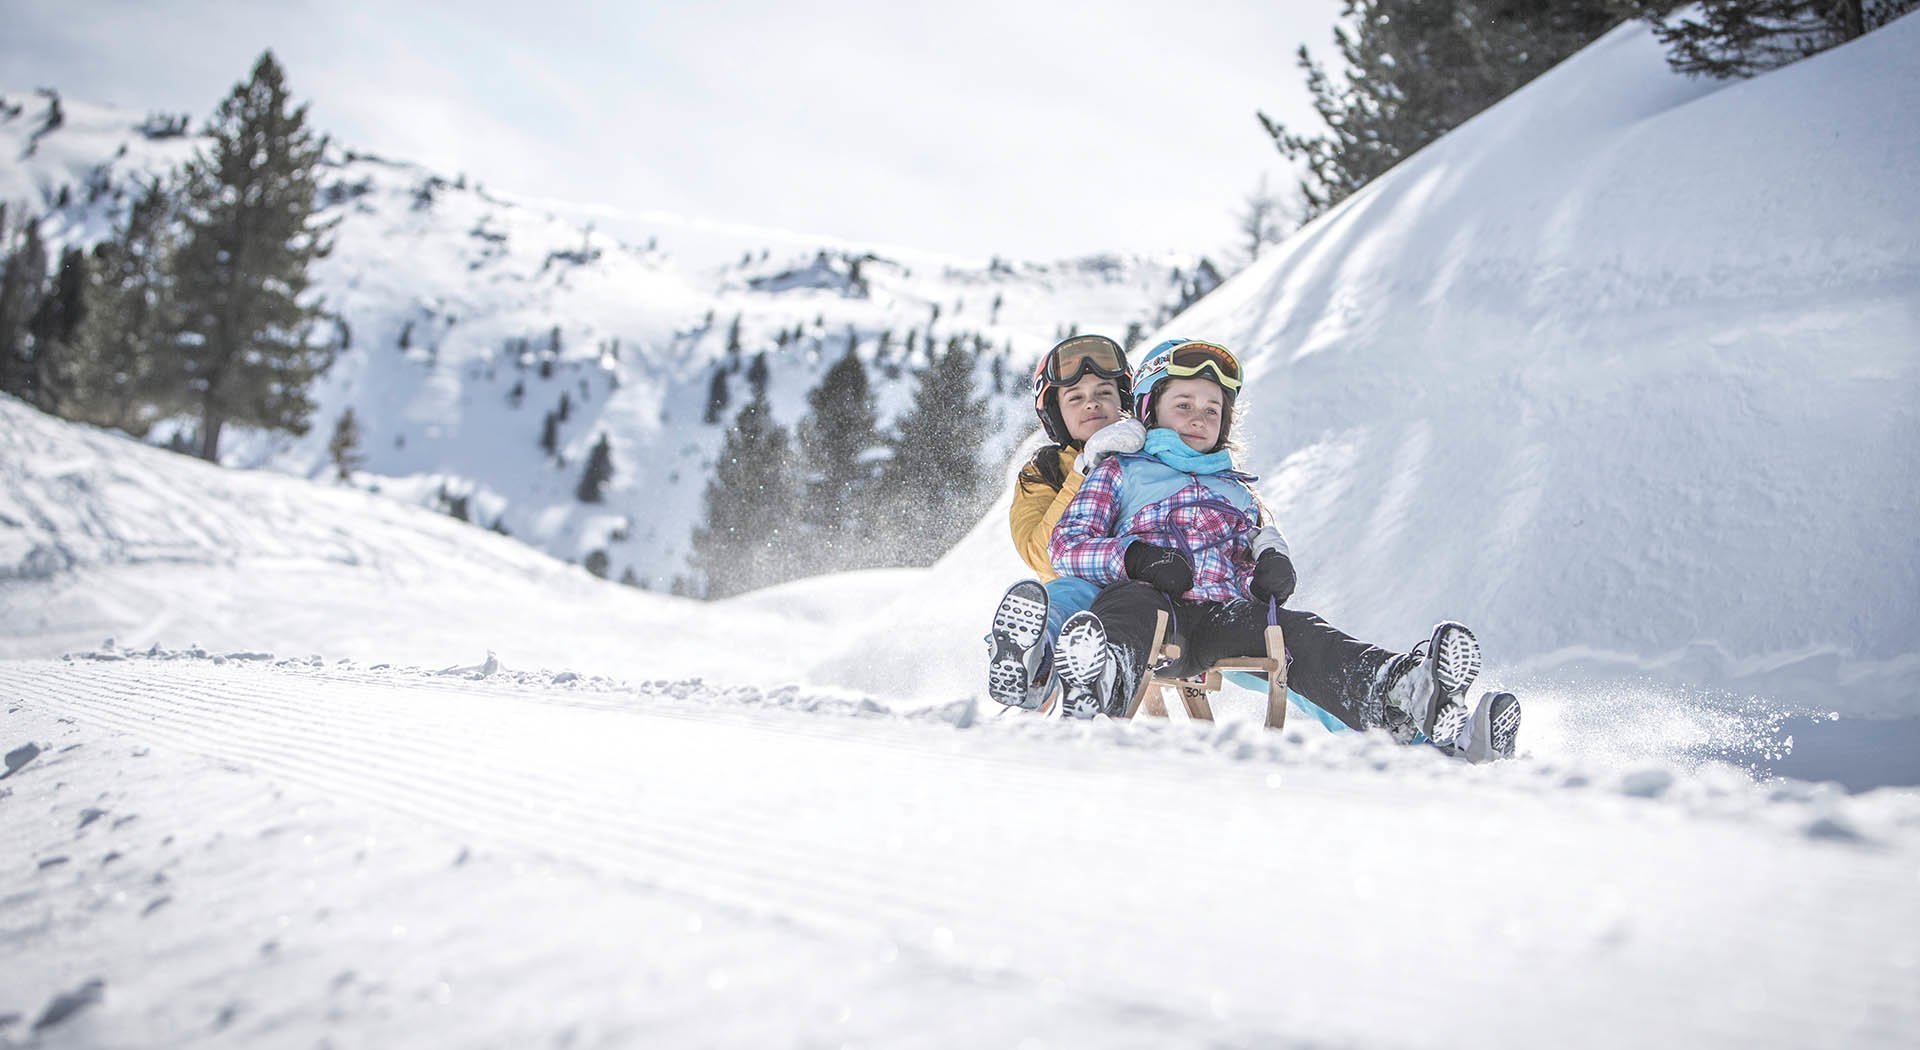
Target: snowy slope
379	856
465	318
1622	373
505	803
102	537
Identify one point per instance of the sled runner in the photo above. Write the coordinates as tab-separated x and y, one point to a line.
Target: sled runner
1192	692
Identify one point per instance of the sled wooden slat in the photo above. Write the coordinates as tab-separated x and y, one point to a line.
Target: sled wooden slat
1193	692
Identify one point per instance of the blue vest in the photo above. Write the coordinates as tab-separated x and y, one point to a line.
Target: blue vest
1146	481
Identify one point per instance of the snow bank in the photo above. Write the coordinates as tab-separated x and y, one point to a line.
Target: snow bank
1621	373
102	537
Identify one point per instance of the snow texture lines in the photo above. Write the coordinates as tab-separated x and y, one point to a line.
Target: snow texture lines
1052	875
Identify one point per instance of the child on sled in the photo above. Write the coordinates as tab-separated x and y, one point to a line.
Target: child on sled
1176	527
1081	392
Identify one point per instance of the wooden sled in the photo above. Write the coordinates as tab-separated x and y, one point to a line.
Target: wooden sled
1192	692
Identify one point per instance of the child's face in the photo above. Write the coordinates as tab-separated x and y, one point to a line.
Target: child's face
1191	408
1089	404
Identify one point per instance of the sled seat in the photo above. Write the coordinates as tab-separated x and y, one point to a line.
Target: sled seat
1150	698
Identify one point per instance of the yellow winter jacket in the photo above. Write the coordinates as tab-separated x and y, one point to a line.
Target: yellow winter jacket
1037	509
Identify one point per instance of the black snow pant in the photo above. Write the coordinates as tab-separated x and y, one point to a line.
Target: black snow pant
1327	666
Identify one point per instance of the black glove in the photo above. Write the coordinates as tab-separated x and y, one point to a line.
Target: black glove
1165	570
1273	577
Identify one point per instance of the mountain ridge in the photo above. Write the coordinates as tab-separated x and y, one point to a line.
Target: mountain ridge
463	317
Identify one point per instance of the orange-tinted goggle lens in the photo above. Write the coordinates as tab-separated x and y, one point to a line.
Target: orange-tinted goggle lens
1192	359
1076	357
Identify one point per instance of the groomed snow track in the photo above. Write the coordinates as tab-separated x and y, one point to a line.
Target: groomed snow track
259	853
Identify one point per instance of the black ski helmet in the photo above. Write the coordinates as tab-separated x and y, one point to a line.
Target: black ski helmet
1064	365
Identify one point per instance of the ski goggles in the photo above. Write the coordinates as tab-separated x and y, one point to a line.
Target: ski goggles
1195	358
1073	358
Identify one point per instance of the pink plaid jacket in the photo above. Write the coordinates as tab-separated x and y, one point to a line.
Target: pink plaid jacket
1210	519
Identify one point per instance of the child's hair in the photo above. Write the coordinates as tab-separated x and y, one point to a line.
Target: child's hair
1044	468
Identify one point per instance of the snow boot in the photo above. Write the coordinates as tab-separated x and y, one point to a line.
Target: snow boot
1420	694
1086	667
1019	663
1492	732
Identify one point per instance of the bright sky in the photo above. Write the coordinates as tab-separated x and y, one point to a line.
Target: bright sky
1023	128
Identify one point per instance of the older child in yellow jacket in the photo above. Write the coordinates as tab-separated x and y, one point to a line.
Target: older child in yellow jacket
1080	392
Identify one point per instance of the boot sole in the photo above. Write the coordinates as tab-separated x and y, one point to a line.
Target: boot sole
1455	654
1504	736
1083	663
1018	624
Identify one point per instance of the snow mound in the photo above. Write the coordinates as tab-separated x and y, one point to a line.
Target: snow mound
1621	373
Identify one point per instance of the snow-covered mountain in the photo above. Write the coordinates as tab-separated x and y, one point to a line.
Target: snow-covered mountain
466	318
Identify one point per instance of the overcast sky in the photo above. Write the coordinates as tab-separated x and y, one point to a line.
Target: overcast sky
1021	128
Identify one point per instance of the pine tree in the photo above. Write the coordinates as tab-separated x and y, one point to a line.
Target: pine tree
344	447
1259	220
757	375
716	396
1739	38
837	441
934	484
52	329
741	543
597	563
550	434
246	347
1416	70
120	380
23	279
599	471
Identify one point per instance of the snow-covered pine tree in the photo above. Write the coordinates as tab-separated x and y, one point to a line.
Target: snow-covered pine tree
716	396
599	471
1416	70
741	542
934	486
1739	38
246	352
344	447
1259	220
837	441
128	320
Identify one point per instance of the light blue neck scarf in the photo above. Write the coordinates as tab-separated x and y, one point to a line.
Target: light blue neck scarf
1166	446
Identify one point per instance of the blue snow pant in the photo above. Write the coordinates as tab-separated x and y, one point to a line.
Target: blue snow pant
1066	595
